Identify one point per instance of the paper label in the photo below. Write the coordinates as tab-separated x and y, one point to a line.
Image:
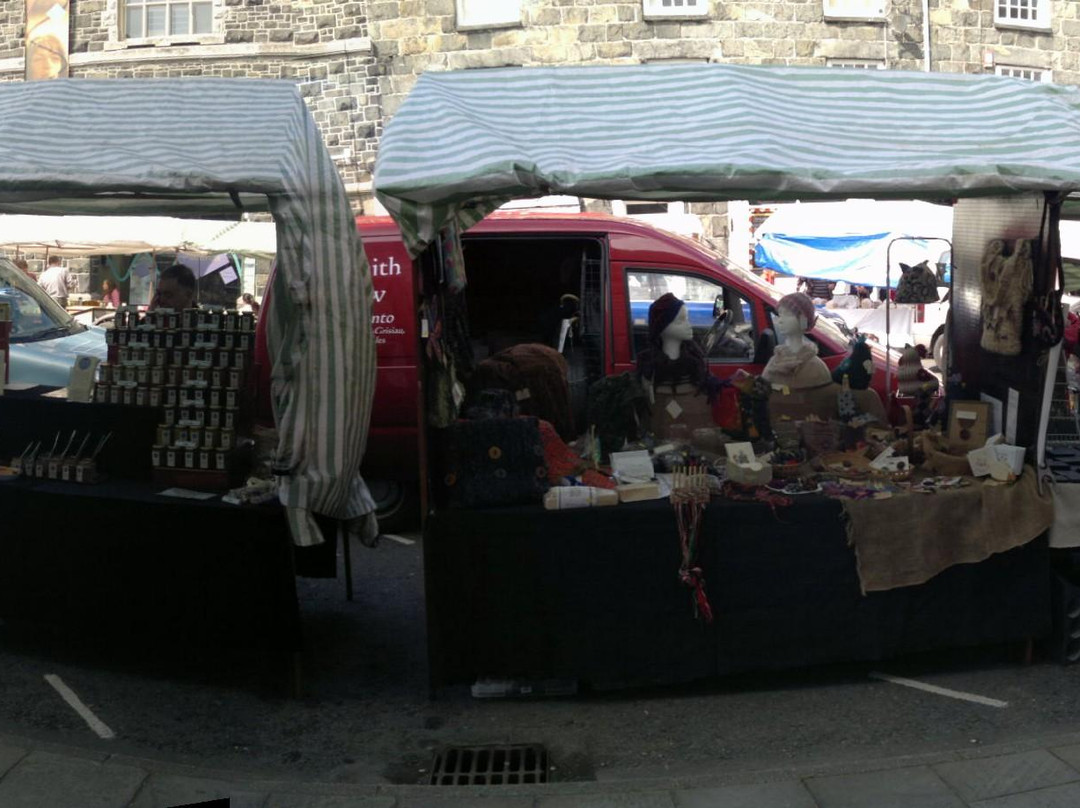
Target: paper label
578	496
523	394
967	415
673	409
632	466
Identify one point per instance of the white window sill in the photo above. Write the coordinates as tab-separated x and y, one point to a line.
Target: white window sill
1036	28
853	18
166	42
697	15
487	26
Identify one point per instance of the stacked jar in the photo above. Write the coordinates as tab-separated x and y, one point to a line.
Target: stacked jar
195	366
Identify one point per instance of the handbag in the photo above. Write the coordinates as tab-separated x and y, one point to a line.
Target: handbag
1048	281
493	461
917	284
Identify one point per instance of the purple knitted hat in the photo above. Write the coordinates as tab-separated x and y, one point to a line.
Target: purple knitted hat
800	304
661	313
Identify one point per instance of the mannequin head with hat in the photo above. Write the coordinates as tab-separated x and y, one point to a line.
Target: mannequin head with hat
669	325
795	315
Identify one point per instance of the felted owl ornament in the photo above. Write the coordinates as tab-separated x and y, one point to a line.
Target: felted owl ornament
858	365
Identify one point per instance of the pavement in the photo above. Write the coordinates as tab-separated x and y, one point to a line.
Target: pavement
1035	773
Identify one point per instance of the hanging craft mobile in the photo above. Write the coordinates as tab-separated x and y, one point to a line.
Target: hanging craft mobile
689	496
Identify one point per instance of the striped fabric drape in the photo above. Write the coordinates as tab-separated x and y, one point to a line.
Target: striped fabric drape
72	146
464	141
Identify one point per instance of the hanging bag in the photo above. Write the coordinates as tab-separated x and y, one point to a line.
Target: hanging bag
1048	281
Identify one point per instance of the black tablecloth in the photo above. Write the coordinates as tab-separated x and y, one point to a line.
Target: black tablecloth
117	558
593	594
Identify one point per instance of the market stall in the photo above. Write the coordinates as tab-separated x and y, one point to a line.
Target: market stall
803	507
241	146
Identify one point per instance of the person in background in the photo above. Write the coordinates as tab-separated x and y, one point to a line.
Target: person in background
110	295
175	289
817	288
57	282
25	267
247	302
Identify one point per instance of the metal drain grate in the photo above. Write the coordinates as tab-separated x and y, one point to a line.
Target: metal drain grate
494	765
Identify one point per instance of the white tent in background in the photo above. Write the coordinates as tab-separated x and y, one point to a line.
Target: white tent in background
130	235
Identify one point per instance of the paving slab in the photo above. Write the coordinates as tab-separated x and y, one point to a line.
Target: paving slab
893	788
655	799
766	795
1067	796
9	756
47	780
1070	754
168	790
284	799
999	775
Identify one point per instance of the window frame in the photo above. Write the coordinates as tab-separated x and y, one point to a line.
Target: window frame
462	23
842	10
855	64
726	290
1045	75
119	29
655	10
1040	23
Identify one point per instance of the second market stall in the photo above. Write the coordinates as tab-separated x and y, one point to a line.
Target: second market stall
798	529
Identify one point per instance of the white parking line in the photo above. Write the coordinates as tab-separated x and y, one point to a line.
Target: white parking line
940	691
398	539
68	695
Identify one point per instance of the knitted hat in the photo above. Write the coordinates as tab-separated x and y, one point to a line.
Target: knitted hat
661	314
800	304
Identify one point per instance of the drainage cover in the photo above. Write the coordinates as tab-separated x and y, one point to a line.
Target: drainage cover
490	765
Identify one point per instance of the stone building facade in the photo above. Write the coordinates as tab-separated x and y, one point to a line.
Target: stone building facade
355	60
1040	40
322	45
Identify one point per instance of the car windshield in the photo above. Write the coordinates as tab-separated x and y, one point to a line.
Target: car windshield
35	315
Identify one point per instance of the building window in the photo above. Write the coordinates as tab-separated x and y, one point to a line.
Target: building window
675	8
1022	14
488	13
1028	73
857	64
144	19
854	9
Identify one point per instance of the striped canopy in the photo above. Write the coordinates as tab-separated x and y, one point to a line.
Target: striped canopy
176	147
463	142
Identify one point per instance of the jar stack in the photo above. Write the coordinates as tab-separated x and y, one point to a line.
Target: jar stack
196	366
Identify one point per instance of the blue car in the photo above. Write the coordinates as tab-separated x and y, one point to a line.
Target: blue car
44	338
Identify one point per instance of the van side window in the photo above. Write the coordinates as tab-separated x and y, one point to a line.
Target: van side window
699	294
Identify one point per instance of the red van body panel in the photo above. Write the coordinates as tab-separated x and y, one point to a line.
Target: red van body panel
392	451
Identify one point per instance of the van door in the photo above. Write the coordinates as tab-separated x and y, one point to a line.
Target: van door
639	285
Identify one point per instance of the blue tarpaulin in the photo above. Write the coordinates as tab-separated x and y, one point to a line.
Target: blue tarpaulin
853	241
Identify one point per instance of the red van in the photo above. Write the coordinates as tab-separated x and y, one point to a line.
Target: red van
519	265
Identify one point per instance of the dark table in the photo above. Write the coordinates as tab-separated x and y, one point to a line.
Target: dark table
118	559
593	594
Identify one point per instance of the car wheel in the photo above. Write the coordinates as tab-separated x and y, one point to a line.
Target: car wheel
397	504
937	350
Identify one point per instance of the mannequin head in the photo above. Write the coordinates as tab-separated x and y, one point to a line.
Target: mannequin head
795	315
668	321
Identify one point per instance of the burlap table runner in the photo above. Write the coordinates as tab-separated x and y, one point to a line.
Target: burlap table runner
910	538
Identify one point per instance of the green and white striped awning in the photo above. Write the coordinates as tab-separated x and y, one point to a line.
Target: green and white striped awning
464	142
176	147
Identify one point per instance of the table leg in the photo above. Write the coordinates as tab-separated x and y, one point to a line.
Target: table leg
346	541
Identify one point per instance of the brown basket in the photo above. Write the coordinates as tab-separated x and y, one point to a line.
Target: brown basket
791	471
852	465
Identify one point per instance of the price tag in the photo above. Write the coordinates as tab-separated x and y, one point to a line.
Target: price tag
673	409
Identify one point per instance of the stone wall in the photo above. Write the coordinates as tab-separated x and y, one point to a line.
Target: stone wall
320	45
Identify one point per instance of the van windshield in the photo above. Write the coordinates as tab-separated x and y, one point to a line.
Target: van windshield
34	315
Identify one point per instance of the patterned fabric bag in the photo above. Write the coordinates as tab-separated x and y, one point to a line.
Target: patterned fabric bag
493	461
918	284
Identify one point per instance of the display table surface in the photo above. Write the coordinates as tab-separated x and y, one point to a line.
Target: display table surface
118	558
593	594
